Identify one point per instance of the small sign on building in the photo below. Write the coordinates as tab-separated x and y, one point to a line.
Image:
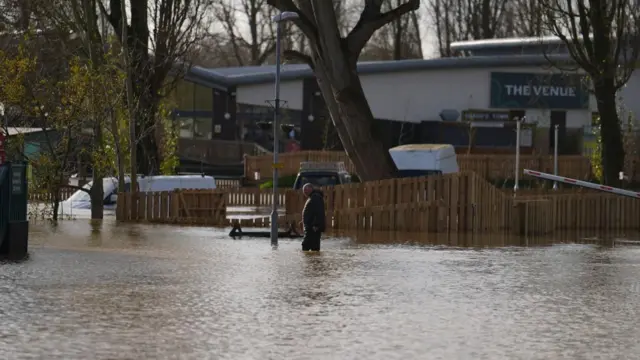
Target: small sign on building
485	115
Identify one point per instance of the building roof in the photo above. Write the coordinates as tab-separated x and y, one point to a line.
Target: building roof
23	130
250	75
505	43
420	147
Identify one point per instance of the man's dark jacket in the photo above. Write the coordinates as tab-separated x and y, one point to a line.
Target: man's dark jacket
313	212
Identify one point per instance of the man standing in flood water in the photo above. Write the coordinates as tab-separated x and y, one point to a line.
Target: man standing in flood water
312	218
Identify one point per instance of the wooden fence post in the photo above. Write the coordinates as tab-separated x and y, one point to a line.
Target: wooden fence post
174	206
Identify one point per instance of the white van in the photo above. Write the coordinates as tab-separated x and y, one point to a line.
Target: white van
81	200
424	159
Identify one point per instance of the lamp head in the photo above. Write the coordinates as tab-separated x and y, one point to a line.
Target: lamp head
285	16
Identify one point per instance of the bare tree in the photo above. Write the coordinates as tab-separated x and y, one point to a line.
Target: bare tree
400	39
601	37
15	14
255	44
177	27
456	20
333	58
459	20
525	18
347	13
81	17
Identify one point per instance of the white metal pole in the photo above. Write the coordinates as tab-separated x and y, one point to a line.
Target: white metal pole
274	209
515	186
555	156
586	184
278	19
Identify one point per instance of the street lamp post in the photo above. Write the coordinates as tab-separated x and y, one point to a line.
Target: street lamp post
278	19
555	156
4	135
519	122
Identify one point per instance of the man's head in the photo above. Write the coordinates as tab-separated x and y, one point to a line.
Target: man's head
307	189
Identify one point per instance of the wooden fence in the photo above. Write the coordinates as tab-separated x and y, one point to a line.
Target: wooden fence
492	167
456	203
593	211
197	207
253	197
466	202
228	183
187	206
47	196
241	196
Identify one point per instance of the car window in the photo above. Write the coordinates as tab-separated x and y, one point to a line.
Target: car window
317	179
320	180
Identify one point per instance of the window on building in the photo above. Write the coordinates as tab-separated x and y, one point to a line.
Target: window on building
203	98
183	95
202	128
186	127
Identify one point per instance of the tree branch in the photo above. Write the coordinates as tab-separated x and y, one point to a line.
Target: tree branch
372	19
304	21
297	55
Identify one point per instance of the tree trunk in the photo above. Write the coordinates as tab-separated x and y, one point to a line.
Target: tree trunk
95	57
56	207
334	60
119	153
612	147
97	189
353	121
148	159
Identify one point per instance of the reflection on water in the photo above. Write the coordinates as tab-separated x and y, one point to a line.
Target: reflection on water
66	212
101	291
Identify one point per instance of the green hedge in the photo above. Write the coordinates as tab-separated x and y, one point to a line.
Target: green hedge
283	182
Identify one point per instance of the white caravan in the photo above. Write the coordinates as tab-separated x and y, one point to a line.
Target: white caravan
424	159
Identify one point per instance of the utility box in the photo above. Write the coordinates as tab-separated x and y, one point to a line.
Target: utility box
14	226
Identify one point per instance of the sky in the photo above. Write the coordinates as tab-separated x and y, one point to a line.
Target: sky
429	45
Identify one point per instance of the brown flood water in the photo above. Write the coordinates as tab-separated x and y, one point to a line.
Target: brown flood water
163	292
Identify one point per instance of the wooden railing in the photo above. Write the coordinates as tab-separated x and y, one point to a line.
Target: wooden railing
253	197
492	167
259	150
228	183
218	152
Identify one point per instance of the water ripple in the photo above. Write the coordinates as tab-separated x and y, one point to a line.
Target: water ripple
158	292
